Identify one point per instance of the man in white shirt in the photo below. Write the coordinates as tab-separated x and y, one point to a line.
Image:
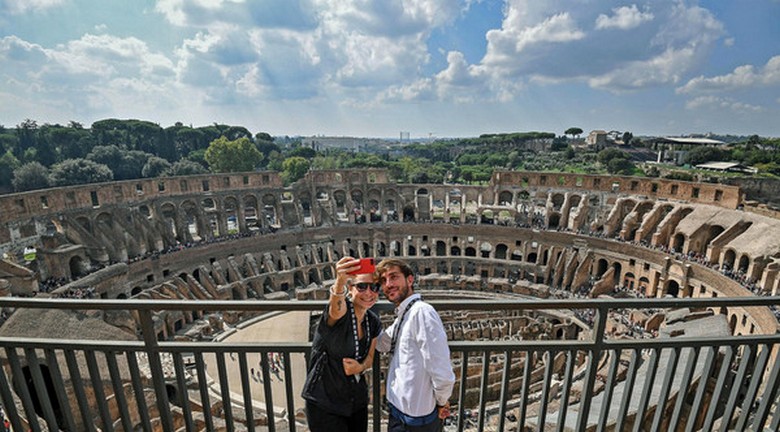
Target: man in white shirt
419	377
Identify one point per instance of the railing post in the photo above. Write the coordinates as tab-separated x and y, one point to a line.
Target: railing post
155	365
599	326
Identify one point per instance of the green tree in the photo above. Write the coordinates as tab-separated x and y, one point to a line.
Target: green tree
615	161
186	167
702	154
294	168
31	176
8	163
155	167
573	131
239	155
79	171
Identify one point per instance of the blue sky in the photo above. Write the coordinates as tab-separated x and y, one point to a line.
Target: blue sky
442	68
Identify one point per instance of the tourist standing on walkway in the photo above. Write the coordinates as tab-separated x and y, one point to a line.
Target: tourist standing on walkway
419	377
335	391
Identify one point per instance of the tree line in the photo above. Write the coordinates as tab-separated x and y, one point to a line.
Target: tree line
36	156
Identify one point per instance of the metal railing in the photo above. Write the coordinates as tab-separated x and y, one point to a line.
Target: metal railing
589	383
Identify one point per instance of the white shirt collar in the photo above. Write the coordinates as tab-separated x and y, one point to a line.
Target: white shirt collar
402	307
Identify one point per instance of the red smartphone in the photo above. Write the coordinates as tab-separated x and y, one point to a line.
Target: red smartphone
366	266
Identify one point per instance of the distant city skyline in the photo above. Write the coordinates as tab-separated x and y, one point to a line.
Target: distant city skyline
376	68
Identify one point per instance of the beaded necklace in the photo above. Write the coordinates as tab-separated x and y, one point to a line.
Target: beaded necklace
366	331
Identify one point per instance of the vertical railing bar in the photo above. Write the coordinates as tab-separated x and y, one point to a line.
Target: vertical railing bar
523	405
224	388
97	387
243	367
755	381
682	390
505	378
87	418
609	390
152	349
269	401
628	386
671	372
288	387
775	418
567	381
722	376
376	380
483	390
44	398
462	390
205	399
181	383
59	388
8	401
119	390
709	364
594	354
545	388
769	396
647	390
138	390
748	354
21	384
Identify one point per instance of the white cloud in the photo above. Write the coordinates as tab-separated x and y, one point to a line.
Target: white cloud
623	18
93	72
18	7
505	43
714	103
745	76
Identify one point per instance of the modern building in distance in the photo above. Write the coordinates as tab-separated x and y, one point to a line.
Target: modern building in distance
320	143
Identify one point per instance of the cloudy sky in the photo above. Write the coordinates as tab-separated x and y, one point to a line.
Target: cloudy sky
442	68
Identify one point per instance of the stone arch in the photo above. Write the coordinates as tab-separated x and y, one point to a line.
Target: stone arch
441	248
455	251
470	252
145	211
744	263
230	213
168	212
672	288
501	250
629	280
270	216
486	217
250	213
408	213
678	242
340	199
505	198
85	223
485	249
729	258
135	291
105	219
601	267
557	201
555	220
77	267
191	220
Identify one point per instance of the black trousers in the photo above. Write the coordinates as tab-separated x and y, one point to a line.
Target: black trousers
396	425
324	421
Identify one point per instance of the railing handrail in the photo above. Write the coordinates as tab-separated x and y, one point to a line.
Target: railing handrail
303	305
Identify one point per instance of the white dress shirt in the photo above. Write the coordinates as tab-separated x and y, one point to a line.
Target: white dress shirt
420	373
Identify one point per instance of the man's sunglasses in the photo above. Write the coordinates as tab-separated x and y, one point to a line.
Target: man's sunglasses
362	286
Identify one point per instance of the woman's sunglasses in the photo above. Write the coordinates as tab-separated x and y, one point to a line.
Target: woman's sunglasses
362	286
